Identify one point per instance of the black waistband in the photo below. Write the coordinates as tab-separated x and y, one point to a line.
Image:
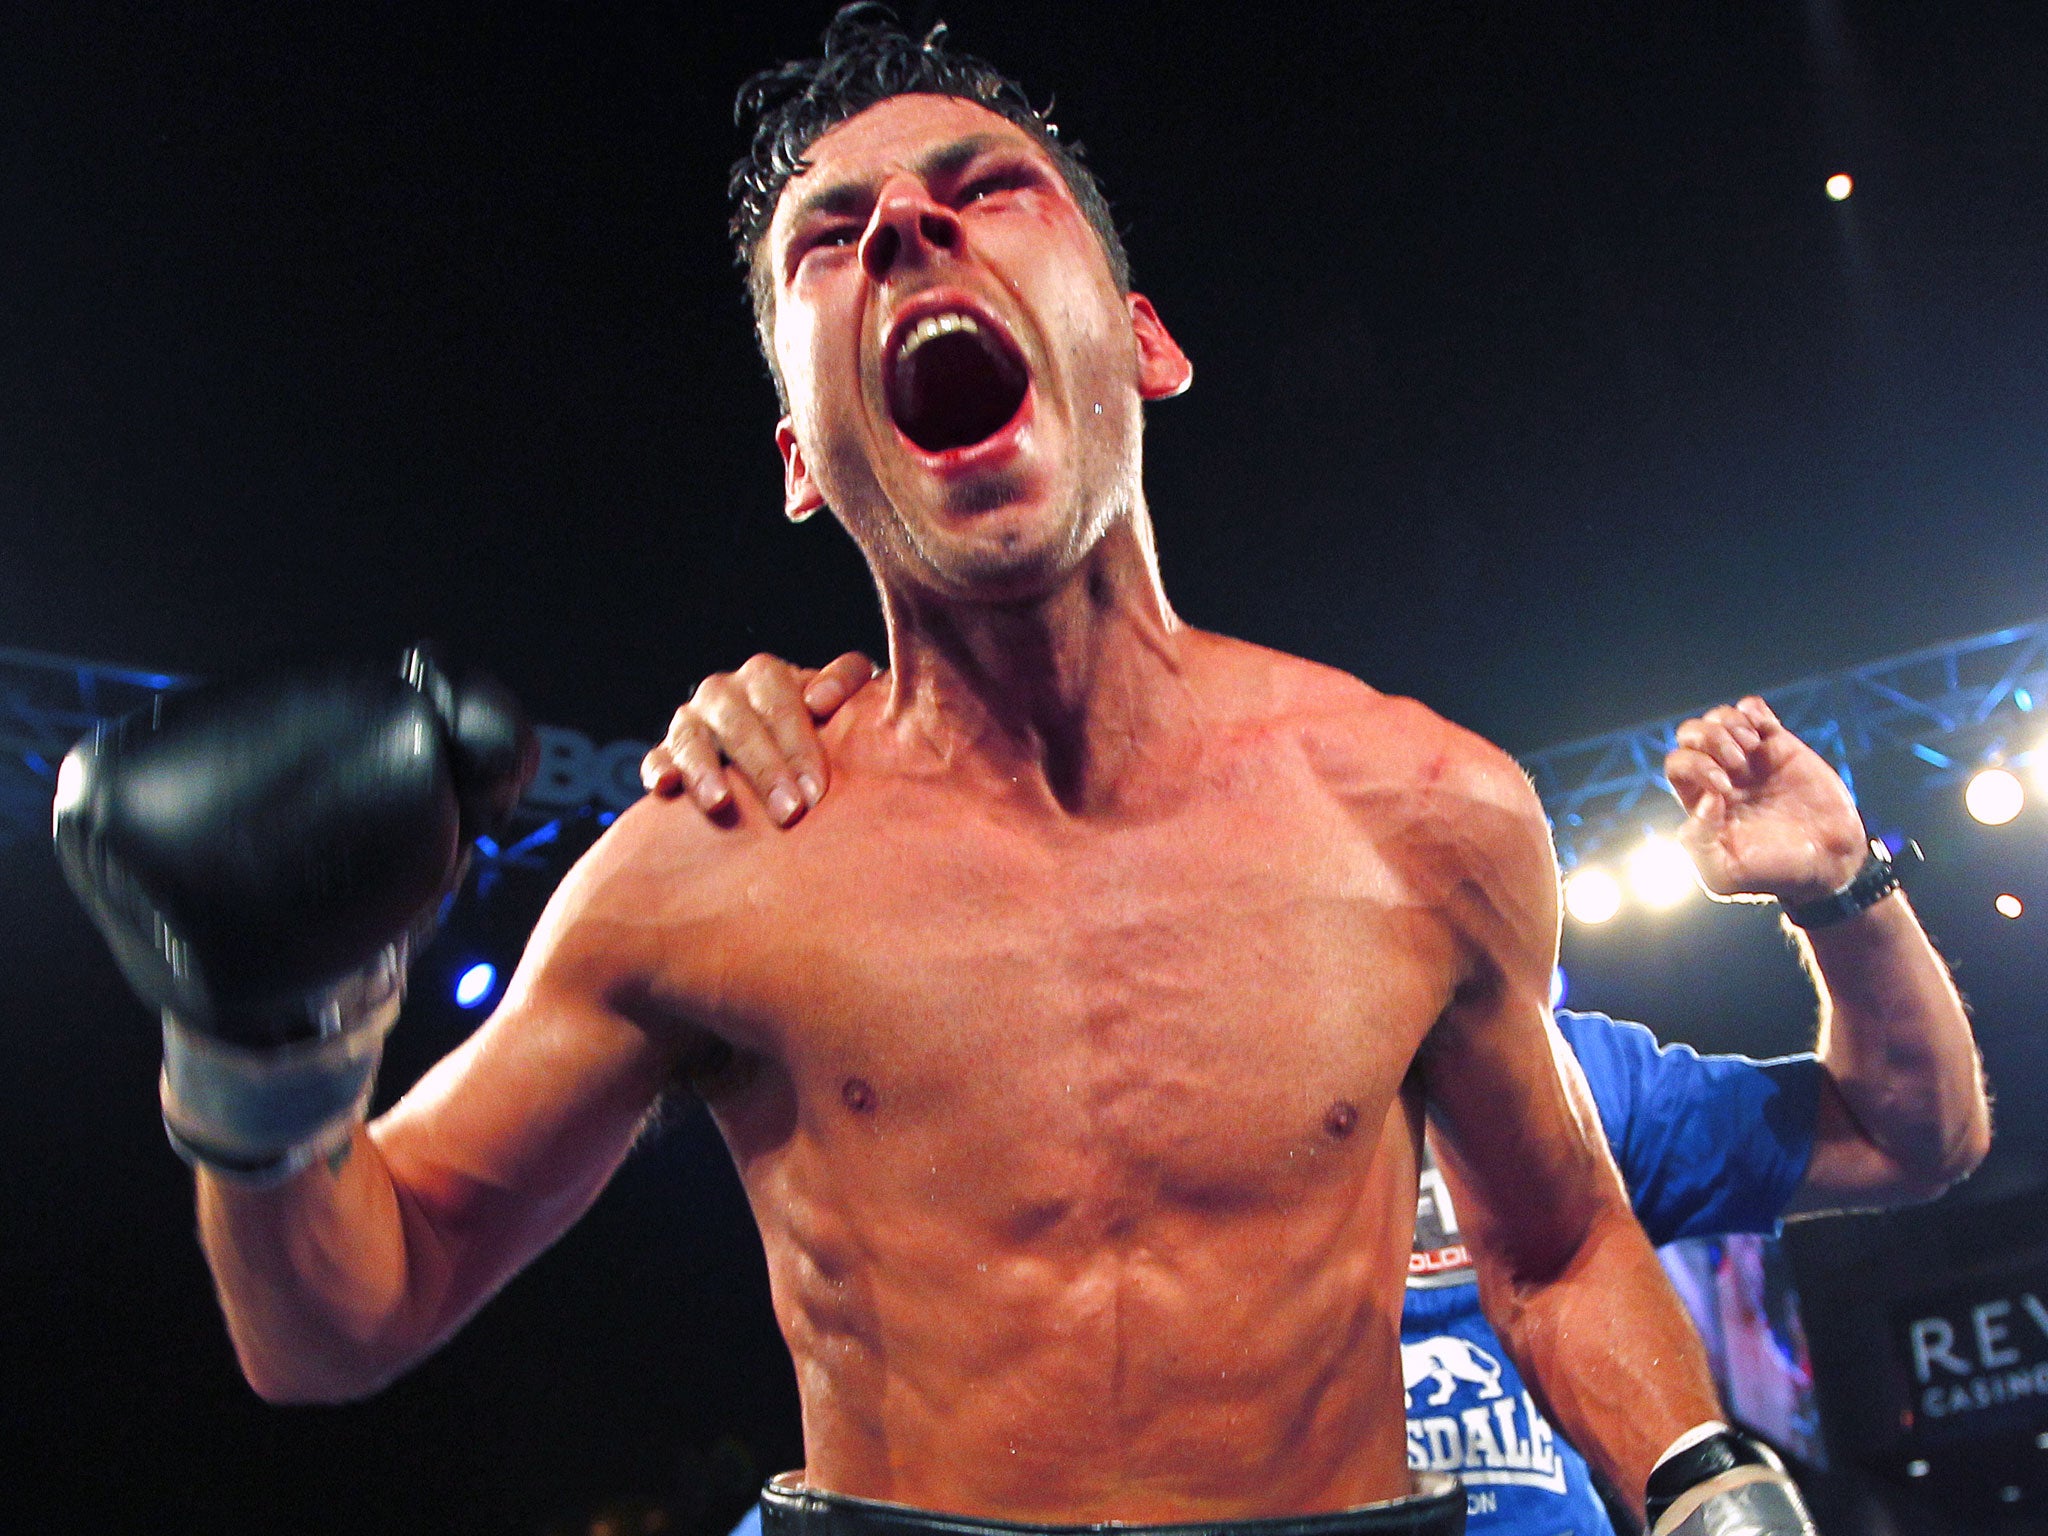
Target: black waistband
1437	1508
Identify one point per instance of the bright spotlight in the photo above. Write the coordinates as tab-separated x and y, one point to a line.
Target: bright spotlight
1560	986
2009	905
474	985
1592	895
1660	874
1840	186
1994	797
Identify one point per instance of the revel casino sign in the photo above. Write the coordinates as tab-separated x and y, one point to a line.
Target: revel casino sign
1976	1358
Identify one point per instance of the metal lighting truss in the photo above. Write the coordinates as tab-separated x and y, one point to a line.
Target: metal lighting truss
1943	710
46	704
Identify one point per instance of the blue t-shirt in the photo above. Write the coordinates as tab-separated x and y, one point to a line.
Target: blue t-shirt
1706	1144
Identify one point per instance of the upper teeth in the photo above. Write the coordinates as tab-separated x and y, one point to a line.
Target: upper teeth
933	326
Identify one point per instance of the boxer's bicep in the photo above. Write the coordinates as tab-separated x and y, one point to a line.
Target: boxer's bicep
499	1148
506	1141
1518	1131
1512	1110
1566	1275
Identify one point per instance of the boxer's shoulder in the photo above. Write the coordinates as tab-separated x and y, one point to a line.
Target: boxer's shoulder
1443	808
664	881
1361	741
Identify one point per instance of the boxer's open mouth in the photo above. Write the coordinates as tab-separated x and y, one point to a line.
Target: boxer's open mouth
953	380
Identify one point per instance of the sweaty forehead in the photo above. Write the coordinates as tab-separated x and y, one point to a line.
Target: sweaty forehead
903	133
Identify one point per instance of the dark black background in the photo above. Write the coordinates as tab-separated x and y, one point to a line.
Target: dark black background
1535	376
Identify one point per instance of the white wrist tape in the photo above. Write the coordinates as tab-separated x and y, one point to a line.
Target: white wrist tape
259	1116
1691	1438
1744	1501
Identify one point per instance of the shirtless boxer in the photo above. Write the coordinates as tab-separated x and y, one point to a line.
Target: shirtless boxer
1890	1108
1075	1053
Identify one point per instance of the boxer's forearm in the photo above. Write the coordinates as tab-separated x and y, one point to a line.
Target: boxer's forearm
315	1277
340	1279
1608	1351
1897	1043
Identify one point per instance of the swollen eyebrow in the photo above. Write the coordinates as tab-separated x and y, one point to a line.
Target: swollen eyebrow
854	198
949	160
846	198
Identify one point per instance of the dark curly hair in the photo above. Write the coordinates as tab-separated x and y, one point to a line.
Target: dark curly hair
868	57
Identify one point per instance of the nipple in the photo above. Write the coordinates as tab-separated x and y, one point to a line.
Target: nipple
857	1094
1341	1118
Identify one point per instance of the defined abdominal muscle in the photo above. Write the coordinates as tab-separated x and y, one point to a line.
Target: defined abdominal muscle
1168	1368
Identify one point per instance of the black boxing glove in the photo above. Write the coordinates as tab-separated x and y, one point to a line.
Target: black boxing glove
1717	1481
264	859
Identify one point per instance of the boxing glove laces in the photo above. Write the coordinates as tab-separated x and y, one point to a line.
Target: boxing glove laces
264	859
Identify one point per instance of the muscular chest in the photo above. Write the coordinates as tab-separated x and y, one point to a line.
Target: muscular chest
1200	1003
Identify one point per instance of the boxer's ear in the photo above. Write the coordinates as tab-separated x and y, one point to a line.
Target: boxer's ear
1163	369
800	494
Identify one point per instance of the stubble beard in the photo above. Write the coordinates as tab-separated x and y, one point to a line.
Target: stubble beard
1014	566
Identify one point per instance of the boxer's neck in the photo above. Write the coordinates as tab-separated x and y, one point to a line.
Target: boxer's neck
1079	693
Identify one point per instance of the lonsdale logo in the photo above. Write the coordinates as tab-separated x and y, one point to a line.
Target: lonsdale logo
1500	1439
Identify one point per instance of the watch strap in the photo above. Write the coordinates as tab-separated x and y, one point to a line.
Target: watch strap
1877	879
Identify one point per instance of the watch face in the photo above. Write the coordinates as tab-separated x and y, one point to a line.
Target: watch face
1439	1256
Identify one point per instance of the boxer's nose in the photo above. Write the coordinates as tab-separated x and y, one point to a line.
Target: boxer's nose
907	229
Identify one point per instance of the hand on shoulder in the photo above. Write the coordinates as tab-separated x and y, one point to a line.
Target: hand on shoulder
764	720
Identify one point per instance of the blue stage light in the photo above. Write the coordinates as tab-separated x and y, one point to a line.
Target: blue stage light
474	985
1560	986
